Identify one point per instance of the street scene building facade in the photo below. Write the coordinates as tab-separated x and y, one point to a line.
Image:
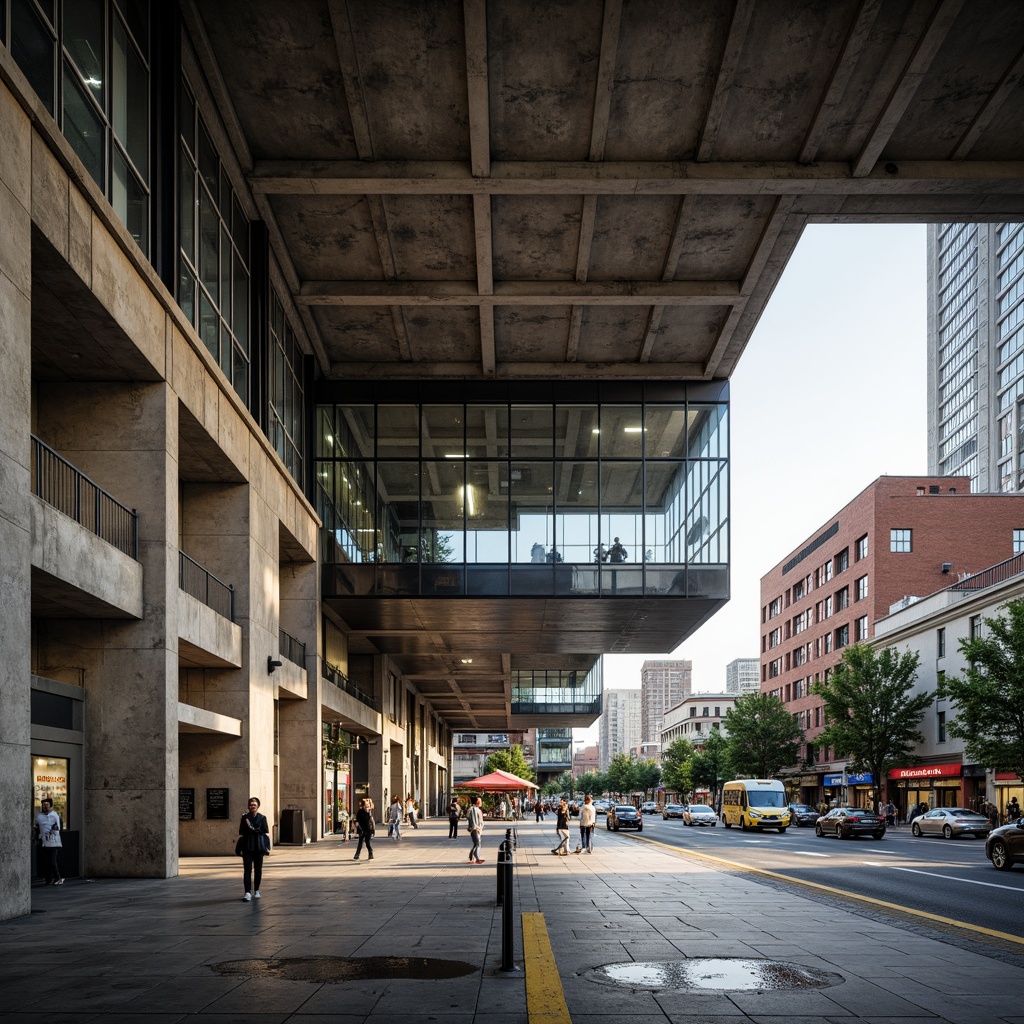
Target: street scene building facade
975	361
933	627
619	729
694	717
743	675
899	539
663	684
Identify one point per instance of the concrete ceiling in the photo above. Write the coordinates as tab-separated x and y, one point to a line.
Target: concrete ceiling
585	189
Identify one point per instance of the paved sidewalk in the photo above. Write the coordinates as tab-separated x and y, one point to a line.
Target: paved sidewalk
145	950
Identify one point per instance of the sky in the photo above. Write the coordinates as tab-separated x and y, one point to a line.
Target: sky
829	394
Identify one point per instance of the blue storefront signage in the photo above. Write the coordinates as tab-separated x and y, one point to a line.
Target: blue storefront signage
847	779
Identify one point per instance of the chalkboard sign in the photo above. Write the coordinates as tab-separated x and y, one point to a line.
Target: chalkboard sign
217	804
186	804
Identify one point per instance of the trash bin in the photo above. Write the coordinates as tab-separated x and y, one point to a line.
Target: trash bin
293	829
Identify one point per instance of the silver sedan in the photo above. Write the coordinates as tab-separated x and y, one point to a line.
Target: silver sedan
950	822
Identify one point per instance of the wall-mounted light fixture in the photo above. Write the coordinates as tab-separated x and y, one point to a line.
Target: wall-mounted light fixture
271	664
946	566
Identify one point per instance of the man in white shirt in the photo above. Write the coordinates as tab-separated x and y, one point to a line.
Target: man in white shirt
475	821
588	818
48	830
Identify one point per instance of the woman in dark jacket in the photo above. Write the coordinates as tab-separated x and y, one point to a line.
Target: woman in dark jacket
454	810
364	828
562	828
254	840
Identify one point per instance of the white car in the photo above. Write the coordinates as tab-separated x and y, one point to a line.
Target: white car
699	814
601	806
649	807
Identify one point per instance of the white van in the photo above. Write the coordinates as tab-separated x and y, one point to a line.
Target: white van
755	803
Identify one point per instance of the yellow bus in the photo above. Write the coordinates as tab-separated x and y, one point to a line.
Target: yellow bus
755	803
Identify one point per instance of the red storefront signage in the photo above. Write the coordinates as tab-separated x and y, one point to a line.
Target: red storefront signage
926	771
1007	776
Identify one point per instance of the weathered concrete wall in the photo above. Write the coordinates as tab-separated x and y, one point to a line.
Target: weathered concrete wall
15	537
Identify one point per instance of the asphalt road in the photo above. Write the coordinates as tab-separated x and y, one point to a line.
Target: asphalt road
949	878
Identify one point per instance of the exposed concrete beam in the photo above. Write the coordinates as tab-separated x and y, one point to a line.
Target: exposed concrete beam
488	357
668	271
605	77
519	293
849	56
511	371
990	108
475	18
484	255
620	178
726	73
344	44
903	92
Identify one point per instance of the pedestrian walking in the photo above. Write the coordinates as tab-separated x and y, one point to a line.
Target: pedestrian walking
364	830
890	813
48	834
538	811
562	828
475	824
410	810
254	844
1012	810
588	818
454	810
395	820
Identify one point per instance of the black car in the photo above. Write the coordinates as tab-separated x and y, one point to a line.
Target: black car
801	814
1005	845
623	816
847	822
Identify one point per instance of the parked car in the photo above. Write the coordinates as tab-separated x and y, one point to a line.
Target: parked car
1005	845
847	822
672	811
601	806
699	814
649	807
802	814
623	816
950	822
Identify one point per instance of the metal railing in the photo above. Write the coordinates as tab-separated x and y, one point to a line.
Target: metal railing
991	576
290	648
336	676
194	579
70	491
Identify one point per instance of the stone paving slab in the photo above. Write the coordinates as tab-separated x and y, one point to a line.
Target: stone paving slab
127	950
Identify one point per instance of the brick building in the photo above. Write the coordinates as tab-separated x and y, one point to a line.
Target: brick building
901	538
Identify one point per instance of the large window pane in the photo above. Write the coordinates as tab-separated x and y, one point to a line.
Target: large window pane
130	201
397	431
665	512
209	236
443	427
532	513
708	431
83	40
576	507
622	431
665	432
130	100
487	431
487	512
576	431
532	429
34	48
83	127
447	501
399	496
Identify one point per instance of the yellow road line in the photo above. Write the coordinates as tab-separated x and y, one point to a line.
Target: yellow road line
1006	936
545	1001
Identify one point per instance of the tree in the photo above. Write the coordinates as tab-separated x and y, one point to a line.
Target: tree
675	766
593	783
510	760
710	765
622	774
763	736
648	776
989	695
872	713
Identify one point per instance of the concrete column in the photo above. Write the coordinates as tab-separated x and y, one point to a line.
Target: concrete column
300	755
15	537
124	436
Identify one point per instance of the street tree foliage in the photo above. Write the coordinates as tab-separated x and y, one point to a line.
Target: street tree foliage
989	695
593	783
510	760
872	712
763	736
676	762
710	766
648	776
622	774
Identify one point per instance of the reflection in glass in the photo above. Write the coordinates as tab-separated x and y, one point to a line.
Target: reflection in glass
443	429
487	431
398	431
532	514
622	431
576	431
83	39
532	433
82	127
33	47
446	500
487	523
665	432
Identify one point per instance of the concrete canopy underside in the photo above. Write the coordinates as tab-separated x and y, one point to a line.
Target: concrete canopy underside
591	190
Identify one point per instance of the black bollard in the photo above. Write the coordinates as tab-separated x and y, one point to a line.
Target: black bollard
505	879
502	854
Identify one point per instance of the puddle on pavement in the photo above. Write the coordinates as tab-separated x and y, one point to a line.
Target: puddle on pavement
715	974
326	969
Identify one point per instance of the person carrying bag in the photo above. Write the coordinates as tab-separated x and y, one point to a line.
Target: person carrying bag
253	844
